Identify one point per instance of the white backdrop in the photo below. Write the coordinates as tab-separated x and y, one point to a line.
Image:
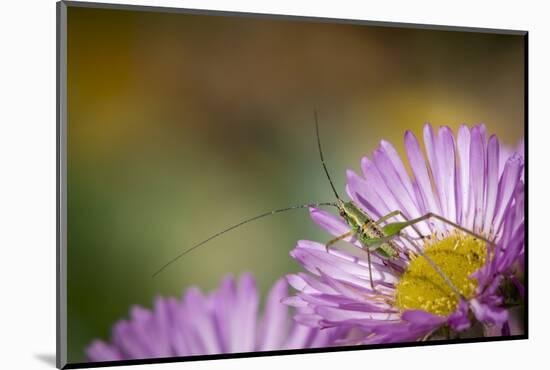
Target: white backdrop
27	184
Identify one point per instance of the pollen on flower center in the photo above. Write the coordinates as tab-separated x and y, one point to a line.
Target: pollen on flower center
421	287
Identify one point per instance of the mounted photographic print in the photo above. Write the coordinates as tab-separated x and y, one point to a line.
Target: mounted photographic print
235	185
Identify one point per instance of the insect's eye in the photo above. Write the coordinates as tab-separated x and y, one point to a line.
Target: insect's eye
342	213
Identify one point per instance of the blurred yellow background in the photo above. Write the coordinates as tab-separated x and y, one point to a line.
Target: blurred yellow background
181	125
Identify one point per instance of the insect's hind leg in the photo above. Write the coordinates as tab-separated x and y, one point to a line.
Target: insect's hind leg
449	222
388	216
399	213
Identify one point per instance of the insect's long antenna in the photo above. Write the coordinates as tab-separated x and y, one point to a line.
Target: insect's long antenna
236	226
321	155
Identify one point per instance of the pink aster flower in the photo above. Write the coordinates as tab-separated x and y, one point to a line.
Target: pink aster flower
224	321
461	180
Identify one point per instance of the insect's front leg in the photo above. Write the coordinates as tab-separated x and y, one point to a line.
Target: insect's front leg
337	239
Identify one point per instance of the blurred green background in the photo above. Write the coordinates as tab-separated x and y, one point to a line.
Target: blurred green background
181	125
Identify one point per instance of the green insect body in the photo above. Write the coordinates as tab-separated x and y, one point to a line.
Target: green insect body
369	233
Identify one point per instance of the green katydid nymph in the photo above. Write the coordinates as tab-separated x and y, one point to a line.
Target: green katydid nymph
375	236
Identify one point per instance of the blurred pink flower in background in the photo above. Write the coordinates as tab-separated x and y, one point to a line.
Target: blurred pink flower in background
224	321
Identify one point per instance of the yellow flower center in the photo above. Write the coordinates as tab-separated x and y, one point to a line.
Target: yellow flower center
421	287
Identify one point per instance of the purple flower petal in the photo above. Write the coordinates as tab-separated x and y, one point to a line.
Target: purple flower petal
506	187
203	337
463	149
447	170
420	171
397	180
338	264
432	153
477	177
488	313
492	183
128	341
419	317
363	195
244	320
275	323
386	203
459	319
